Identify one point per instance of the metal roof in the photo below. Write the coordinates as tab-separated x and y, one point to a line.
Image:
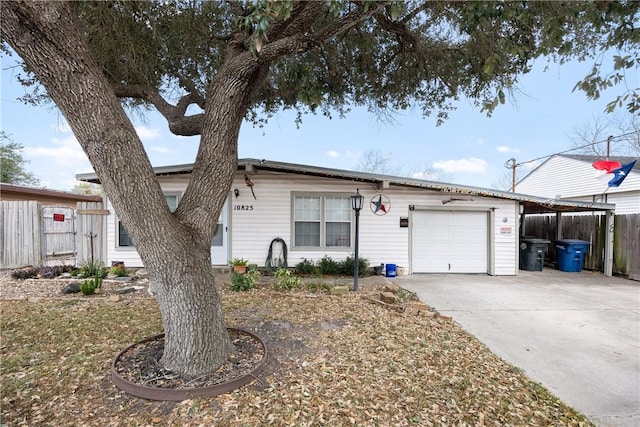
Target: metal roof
532	204
44	192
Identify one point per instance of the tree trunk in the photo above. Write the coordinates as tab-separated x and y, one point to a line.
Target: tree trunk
175	248
196	338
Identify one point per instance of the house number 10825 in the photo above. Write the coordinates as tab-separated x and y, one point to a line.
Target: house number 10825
243	207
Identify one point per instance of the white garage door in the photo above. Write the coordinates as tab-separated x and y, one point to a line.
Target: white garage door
449	242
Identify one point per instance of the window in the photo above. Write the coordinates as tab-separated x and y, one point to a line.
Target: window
322	221
123	237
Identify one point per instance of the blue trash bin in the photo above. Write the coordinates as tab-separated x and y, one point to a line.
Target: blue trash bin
570	254
390	270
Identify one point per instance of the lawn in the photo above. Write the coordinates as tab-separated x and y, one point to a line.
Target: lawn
334	360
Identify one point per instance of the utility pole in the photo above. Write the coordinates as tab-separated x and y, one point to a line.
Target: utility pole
511	164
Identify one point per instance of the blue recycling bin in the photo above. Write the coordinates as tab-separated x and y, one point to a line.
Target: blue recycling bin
570	254
390	270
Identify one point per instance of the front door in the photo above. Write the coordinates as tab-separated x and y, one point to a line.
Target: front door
220	241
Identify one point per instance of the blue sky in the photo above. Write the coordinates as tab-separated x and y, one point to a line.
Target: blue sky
468	149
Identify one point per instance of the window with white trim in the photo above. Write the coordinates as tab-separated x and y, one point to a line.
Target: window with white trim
321	221
123	237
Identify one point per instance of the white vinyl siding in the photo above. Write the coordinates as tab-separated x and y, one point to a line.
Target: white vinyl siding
573	179
255	223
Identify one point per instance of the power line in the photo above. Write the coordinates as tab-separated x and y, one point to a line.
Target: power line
573	149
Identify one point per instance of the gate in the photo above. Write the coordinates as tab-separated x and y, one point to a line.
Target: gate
58	234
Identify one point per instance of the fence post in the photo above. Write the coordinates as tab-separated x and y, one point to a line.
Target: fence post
608	246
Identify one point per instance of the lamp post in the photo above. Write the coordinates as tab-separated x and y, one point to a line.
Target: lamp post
356	204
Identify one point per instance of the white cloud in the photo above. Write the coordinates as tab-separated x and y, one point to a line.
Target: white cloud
332	153
66	151
507	149
147	132
471	165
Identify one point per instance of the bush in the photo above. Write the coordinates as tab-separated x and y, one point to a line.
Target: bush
93	269
25	273
285	280
118	271
47	272
306	266
244	282
349	263
329	266
89	286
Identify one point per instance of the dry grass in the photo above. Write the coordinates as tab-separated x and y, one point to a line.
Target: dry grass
334	360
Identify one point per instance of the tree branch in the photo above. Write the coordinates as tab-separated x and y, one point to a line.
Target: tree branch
179	123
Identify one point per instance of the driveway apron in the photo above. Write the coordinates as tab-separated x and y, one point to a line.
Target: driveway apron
578	334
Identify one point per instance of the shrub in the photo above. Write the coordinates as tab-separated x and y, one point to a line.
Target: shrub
349	263
306	266
47	272
244	282
118	271
89	286
25	273
93	269
329	266
285	281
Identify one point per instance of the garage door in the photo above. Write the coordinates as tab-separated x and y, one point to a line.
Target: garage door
449	242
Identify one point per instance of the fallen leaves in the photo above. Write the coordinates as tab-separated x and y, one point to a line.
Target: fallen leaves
334	360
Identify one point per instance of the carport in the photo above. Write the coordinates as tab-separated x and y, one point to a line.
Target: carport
538	206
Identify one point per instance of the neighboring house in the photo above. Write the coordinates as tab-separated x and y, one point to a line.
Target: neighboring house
423	226
45	197
572	177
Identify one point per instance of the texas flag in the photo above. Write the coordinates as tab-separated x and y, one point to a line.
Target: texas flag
613	172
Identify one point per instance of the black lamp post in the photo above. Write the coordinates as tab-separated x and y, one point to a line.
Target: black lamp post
356	204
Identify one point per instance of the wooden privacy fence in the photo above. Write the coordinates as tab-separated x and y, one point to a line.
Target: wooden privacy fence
33	234
592	228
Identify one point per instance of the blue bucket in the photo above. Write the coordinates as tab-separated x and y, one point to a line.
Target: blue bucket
390	270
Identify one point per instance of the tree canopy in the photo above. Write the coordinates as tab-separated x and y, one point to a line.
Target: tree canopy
12	164
327	56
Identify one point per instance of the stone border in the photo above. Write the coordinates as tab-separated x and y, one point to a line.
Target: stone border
157	393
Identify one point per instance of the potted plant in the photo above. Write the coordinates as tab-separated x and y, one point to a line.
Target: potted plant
239	265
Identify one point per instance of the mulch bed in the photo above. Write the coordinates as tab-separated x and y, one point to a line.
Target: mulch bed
140	364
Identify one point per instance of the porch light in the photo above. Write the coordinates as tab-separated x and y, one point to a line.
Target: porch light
357	200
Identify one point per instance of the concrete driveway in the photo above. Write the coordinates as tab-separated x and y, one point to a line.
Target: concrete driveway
578	334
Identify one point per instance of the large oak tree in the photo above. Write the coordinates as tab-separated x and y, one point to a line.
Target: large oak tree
208	65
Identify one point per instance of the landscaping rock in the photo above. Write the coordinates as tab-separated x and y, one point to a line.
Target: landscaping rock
115	298
419	306
124	290
71	288
392	287
141	273
388	297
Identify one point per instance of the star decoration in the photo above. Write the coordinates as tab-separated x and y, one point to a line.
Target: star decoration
379	206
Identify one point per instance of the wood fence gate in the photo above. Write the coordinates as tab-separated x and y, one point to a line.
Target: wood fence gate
32	234
58	235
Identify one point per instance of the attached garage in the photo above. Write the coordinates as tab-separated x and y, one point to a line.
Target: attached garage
450	241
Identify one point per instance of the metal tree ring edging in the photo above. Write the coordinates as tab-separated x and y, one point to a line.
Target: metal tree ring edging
179	394
380	204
